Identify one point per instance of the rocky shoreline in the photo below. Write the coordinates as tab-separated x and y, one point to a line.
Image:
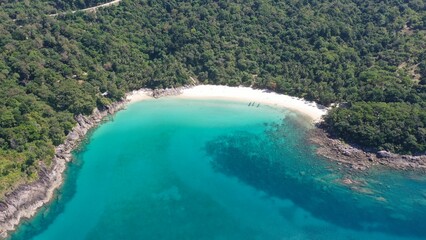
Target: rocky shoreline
358	159
167	92
24	201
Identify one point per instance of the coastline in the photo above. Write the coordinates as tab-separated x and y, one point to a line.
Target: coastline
358	159
311	110
26	199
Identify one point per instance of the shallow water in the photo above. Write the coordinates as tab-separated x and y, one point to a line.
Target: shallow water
192	169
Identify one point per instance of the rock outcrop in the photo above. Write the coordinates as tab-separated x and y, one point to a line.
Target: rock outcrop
359	159
383	154
158	93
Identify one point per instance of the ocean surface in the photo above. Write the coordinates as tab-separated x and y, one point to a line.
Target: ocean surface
212	169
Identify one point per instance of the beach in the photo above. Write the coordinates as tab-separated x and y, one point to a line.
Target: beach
311	110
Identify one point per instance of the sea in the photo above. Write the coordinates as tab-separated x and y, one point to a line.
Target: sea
174	168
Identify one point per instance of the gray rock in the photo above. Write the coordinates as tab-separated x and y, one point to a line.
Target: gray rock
73	136
3	206
384	154
157	93
346	153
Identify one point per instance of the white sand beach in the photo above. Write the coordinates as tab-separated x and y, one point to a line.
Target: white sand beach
310	109
138	95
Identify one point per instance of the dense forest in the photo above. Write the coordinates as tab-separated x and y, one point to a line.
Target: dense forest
367	57
62	5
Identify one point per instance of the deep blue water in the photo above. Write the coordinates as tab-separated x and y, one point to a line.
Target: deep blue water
193	169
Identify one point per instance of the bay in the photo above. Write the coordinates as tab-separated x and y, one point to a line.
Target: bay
212	169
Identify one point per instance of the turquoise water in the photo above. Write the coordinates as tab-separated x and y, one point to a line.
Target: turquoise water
187	169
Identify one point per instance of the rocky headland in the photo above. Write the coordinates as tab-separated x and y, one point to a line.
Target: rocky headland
359	159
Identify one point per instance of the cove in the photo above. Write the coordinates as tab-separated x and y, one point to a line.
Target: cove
211	169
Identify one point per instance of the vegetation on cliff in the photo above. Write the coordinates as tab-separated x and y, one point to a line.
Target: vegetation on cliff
368	54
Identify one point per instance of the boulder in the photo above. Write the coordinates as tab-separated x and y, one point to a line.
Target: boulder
3	206
73	136
346	153
383	154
